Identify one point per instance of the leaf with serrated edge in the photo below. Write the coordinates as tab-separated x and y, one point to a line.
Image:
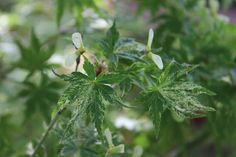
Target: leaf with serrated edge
89	69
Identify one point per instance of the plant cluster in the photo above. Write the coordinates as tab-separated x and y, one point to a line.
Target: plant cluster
126	93
88	94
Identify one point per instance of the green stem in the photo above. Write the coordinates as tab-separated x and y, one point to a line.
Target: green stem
48	130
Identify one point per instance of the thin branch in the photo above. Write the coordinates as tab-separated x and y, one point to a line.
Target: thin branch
48	130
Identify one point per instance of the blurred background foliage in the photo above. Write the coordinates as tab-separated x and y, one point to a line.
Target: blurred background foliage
35	37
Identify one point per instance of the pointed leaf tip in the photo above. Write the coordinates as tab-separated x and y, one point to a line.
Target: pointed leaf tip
89	68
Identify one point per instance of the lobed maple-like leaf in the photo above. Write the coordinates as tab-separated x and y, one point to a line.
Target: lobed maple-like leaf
88	95
175	94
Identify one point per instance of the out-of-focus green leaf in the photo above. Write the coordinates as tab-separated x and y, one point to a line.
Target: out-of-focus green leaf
34	58
40	97
60	10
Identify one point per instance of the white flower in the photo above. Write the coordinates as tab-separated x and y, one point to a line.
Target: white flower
79	46
70	59
156	58
150	39
77	40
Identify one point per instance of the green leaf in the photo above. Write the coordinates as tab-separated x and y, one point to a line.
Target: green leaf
35	43
60	11
113	35
129	49
182	71
89	69
96	108
110	95
22	48
110	78
108	44
129	45
172	73
71	77
155	112
35	56
154	103
129	56
164	75
181	97
126	85
191	87
88	98
40	97
174	93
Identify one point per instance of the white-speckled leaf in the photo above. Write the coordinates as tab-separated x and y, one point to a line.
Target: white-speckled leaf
77	40
157	60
